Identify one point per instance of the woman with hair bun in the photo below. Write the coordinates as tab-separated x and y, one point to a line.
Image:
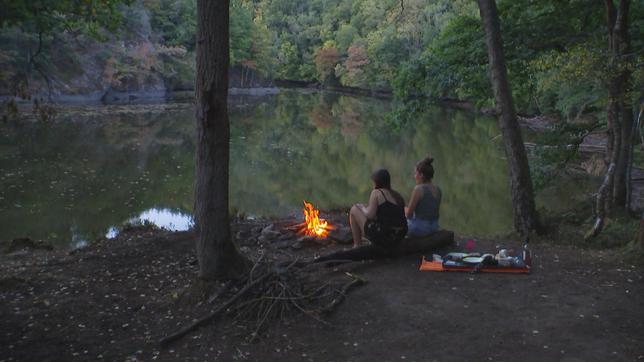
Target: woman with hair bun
422	212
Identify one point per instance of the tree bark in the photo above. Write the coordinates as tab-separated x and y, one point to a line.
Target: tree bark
525	215
217	255
619	116
638	243
619	110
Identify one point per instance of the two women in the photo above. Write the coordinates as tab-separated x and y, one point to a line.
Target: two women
383	219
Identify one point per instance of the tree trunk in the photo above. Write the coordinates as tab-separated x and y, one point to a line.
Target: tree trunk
619	117
619	110
620	188
217	255
525	215
638	243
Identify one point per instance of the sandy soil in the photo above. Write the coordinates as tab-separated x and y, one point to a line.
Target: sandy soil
115	299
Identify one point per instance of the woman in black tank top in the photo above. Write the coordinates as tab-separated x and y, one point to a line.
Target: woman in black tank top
381	194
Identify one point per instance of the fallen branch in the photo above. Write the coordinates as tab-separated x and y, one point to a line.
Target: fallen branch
221	291
216	312
434	241
331	262
281	290
356	281
295	227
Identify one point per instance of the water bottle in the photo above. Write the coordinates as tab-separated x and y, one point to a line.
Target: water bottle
517	262
527	258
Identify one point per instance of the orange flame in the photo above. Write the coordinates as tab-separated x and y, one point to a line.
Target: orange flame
314	225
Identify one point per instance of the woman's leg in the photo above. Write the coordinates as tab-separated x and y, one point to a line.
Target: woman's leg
413	229
357	219
419	228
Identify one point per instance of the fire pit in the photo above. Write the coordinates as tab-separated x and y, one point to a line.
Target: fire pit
313	231
313	225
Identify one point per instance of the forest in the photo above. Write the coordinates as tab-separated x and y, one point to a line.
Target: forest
208	180
414	49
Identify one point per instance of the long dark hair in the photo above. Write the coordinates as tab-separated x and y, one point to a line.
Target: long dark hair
382	180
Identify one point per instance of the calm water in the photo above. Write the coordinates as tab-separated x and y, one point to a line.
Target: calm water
97	167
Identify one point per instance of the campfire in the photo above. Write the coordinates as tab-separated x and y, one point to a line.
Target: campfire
313	225
297	234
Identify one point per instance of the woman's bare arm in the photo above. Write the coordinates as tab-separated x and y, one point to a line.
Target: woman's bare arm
373	205
416	194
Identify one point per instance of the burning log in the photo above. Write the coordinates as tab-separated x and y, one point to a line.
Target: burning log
314	225
297	227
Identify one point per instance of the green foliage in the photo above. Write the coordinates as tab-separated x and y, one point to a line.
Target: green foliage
554	150
288	59
87	16
555	50
174	21
569	82
409	81
241	32
456	62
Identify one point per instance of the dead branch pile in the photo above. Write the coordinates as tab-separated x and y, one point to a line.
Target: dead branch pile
277	293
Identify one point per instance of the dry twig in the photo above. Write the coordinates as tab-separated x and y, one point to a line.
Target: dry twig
276	294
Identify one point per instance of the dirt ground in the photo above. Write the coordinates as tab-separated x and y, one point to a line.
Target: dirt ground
115	299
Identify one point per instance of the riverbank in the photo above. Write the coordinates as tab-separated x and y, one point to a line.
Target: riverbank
116	298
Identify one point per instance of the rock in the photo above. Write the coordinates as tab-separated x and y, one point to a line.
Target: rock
248	241
282	244
307	240
269	233
297	245
342	235
26	243
268	229
272	235
242	234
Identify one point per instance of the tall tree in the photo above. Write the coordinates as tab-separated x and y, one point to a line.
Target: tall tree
217	255
525	215
619	116
619	111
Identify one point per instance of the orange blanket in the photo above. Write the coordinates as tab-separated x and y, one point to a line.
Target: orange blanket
428	265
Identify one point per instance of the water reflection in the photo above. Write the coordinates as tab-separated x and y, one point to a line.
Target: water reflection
164	218
98	167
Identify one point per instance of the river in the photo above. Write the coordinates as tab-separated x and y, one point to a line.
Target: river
96	167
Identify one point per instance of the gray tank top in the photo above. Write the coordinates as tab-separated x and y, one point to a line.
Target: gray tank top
427	207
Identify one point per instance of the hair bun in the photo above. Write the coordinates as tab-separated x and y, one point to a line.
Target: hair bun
429	159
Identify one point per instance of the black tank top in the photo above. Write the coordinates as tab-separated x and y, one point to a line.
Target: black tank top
389	213
390	225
